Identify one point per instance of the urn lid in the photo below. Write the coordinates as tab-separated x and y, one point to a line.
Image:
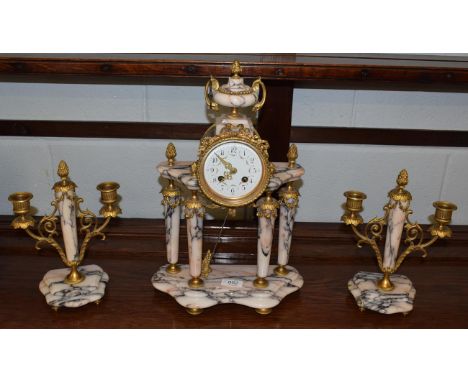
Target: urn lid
235	85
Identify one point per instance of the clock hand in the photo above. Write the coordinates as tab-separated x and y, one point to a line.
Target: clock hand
229	166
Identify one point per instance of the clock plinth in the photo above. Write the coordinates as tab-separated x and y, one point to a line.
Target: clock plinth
228	284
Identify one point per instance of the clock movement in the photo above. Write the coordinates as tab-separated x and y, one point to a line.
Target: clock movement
232	170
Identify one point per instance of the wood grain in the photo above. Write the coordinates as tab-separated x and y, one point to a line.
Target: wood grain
346	71
325	254
274	120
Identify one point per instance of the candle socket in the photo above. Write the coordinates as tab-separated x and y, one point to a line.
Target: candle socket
22	209
354	201
109	199
442	218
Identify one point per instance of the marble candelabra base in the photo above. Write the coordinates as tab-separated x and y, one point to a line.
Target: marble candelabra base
228	284
59	294
363	286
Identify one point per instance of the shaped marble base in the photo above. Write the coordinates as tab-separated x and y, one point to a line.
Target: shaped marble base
59	294
363	286
228	284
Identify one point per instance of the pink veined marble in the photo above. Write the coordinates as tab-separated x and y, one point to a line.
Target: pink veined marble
396	222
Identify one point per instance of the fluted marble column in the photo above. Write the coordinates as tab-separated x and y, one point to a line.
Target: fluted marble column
288	207
171	202
267	213
194	214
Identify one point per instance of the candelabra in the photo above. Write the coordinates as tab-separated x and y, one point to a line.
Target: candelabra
391	293
77	285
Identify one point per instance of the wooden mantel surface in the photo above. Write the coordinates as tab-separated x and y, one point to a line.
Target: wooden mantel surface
325	254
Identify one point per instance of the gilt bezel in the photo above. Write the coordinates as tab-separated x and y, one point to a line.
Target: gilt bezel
243	136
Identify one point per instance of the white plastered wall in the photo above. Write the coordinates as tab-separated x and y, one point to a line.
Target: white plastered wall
435	172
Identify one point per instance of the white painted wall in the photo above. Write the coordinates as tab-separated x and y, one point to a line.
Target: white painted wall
29	164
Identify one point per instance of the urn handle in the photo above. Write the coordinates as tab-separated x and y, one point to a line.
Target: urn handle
211	86
257	84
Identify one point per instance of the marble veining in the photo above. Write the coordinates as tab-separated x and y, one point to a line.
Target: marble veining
264	242
283	174
67	210
214	292
363	286
172	221
181	172
224	119
195	241
396	222
286	223
59	294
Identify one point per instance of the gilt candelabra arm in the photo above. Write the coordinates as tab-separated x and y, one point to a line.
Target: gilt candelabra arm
373	231
47	227
438	230
88	220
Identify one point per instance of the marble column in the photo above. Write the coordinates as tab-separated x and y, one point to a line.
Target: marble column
288	207
194	214
396	222
171	202
67	210
267	213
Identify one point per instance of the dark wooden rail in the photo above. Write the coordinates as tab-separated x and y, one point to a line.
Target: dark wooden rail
194	131
283	72
413	72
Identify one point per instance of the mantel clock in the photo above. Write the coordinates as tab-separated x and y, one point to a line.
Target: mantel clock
232	170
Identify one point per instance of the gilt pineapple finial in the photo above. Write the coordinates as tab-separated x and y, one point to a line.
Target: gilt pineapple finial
402	179
236	68
399	193
62	170
171	154
292	156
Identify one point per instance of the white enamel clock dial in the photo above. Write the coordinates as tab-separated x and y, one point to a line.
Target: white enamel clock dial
233	171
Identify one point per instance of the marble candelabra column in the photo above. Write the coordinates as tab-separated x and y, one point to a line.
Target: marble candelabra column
65	198
171	202
288	206
396	222
67	209
194	214
397	208
267	213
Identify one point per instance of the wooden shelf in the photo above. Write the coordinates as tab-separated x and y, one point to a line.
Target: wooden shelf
364	71
325	254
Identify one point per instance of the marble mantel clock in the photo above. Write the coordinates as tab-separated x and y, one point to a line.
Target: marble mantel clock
232	170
